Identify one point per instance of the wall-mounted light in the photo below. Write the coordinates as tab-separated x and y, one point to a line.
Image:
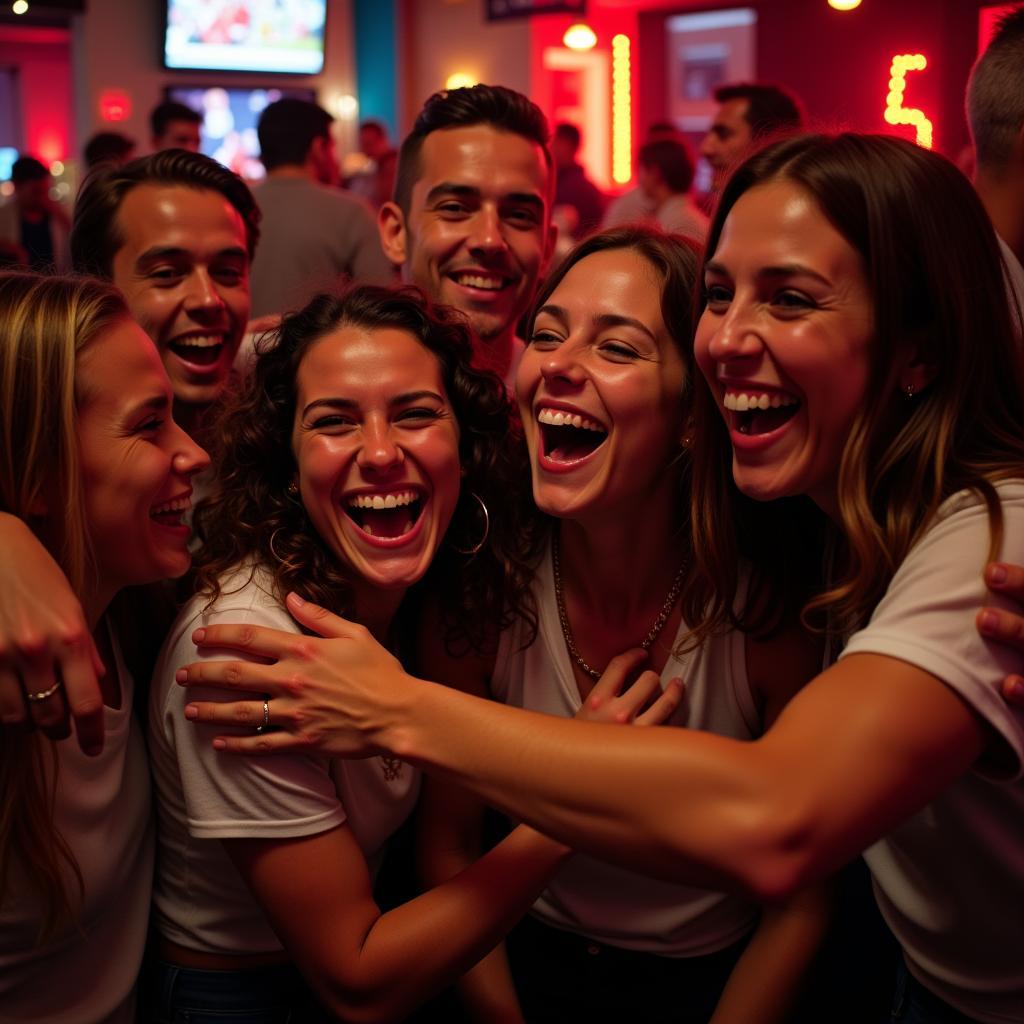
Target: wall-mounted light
346	106
622	111
461	80
57	168
895	112
579	37
843	5
115	105
20	6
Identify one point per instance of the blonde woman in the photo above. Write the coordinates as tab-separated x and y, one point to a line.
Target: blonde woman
93	464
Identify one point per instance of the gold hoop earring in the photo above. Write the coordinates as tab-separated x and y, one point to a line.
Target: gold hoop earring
292	489
271	545
470	552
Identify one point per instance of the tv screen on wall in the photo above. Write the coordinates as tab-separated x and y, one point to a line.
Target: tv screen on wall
246	35
230	117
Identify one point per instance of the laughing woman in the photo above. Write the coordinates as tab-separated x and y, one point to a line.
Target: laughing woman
359	455
603	395
91	460
855	296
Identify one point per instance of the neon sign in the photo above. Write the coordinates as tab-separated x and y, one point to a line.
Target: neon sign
895	111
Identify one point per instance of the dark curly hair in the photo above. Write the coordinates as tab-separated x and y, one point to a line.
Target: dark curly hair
95	238
253	517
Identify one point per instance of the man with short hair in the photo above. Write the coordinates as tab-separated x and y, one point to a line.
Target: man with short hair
316	237
634	206
748	113
573	188
471	219
108	148
665	175
33	226
176	232
995	113
175	126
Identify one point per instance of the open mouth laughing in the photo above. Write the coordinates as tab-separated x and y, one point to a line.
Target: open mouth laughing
756	411
567	437
172	513
385	516
199	350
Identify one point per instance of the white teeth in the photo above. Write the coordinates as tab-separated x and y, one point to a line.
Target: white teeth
177	505
383	500
557	418
200	340
742	402
480	281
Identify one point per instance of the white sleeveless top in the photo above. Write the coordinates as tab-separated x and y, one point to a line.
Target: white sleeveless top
588	896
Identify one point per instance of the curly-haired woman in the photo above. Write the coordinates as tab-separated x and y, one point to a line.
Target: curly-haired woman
364	450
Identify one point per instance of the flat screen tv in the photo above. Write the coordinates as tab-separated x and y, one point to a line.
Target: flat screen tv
245	35
230	116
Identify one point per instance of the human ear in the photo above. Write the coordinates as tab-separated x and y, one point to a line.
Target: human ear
393	233
916	375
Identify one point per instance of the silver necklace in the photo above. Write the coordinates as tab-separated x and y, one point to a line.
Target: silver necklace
563	616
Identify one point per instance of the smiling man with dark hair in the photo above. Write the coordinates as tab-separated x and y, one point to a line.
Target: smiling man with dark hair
471	219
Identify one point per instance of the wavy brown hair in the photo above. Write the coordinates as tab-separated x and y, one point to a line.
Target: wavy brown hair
935	274
254	519
45	325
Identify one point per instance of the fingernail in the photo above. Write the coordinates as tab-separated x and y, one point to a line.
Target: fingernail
295	597
219	745
181	675
988	622
191	711
997	574
198	636
93	749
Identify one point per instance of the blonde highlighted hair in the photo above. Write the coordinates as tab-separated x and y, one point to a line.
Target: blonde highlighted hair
45	324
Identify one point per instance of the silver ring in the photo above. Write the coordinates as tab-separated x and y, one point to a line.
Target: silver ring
43	694
266	717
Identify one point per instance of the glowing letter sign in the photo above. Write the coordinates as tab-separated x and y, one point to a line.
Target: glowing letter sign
895	112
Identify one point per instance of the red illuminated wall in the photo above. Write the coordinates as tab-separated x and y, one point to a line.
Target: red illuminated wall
839	62
43	62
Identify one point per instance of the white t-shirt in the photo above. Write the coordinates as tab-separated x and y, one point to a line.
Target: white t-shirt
102	809
589	896
203	795
950	880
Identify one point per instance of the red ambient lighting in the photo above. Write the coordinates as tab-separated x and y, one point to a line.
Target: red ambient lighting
895	111
115	105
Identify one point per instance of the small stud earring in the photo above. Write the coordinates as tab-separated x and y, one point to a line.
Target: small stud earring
910	390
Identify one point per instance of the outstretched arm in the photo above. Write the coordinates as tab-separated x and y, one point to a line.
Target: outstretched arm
765	816
46	646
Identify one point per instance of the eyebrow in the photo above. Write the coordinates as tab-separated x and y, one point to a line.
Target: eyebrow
782	270
349	403
155	403
451	188
171	252
601	320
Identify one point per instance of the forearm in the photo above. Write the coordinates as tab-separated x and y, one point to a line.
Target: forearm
417	949
769	975
626	805
767	817
486	990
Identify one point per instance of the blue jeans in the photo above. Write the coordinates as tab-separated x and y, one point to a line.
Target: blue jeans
914	1004
261	995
